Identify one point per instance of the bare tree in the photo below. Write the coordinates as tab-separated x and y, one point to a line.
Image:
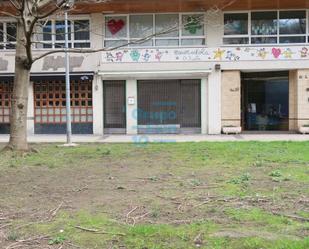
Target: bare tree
28	15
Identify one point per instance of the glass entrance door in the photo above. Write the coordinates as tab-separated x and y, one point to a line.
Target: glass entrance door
265	101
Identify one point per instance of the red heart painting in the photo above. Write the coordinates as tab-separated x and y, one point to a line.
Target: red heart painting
115	26
276	52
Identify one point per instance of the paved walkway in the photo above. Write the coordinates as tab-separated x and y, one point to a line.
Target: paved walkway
161	138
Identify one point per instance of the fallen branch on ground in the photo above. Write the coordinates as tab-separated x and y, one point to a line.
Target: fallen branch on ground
201	204
96	231
6	225
20	243
291	216
128	217
55	211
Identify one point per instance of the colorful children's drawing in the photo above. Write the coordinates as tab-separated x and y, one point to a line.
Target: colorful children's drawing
218	54
114	26
228	54
304	52
287	53
135	55
193	25
146	56
158	55
110	57
231	56
119	56
276	52
262	53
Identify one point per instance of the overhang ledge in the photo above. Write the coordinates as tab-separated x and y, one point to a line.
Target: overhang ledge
158	74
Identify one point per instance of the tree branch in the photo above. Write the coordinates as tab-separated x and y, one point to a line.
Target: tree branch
53	10
81	51
15	5
8	14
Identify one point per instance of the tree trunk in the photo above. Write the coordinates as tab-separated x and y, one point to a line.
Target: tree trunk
19	103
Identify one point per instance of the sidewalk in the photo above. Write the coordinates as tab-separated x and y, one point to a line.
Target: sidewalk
161	138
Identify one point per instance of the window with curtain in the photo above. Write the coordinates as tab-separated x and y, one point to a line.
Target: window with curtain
264	27
158	29
267	27
236	28
51	34
7	35
292	26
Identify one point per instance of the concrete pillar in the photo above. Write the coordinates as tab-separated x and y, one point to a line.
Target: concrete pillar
97	102
30	112
97	28
131	104
214	27
204	106
231	96
214	102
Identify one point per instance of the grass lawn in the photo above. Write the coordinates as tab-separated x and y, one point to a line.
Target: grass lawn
238	195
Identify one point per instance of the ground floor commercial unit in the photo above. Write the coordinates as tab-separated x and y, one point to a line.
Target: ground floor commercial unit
193	101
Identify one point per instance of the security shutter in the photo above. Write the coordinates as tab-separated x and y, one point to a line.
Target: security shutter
114	105
190	103
169	102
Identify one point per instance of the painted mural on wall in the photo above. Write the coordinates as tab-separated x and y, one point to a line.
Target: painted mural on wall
3	65
223	54
58	62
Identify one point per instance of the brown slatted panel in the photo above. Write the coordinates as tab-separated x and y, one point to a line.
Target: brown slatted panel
50	102
114	104
6	89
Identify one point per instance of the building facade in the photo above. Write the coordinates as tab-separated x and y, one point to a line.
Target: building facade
187	68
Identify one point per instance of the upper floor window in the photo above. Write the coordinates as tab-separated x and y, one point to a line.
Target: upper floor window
51	34
236	28
267	27
7	35
160	29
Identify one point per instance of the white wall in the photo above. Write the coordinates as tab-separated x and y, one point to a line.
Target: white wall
131	93
97	102
214	102
204	106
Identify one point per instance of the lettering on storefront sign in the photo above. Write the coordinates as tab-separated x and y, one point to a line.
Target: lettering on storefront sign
3	65
303	76
236	89
56	63
225	54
